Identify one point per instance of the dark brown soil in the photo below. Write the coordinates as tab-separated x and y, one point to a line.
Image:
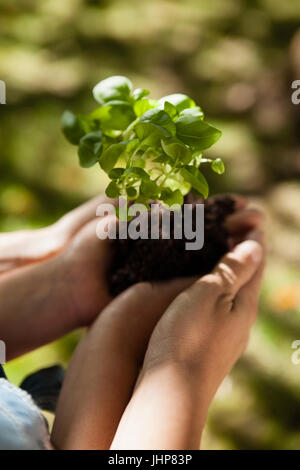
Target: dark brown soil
152	260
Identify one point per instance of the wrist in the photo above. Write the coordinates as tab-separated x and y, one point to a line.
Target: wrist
182	396
60	299
68	290
197	372
45	312
82	283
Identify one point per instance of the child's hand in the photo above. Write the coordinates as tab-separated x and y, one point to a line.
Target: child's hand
105	366
194	345
216	307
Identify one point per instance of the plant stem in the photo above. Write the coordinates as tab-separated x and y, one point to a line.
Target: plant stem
127	132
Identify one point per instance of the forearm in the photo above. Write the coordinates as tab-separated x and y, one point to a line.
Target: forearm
94	395
104	369
102	374
167	411
35	307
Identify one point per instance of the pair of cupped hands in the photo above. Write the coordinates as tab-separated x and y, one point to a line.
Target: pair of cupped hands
152	359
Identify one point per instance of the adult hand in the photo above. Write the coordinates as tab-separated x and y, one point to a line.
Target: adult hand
50	298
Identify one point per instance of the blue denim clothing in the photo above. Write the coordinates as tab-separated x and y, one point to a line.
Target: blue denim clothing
22	425
2	373
44	386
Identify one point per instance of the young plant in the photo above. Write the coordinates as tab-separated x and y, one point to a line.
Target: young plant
150	149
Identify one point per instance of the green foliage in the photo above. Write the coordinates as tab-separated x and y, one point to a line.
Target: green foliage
149	149
90	148
218	166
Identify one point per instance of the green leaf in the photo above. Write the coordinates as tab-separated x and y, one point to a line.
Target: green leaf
150	134
179	100
142	200
170	197
218	166
113	88
132	145
139	93
148	137
90	148
141	106
115	115
196	133
136	172
111	155
131	192
149	189
139	162
194	176
170	109
176	150
163	158
116	173
195	111
72	127
112	190
177	183
159	118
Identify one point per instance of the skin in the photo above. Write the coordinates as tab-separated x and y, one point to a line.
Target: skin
27	246
63	286
72	287
189	354
173	358
58	293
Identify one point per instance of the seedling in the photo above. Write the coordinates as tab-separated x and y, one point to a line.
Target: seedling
150	149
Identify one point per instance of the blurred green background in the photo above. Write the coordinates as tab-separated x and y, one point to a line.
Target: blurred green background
237	59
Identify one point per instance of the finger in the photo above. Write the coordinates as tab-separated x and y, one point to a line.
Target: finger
243	221
20	248
75	219
86	247
6	266
237	267
258	236
247	298
105	367
138	310
240	202
241	225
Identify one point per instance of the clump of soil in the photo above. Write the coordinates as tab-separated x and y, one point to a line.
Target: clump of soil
153	260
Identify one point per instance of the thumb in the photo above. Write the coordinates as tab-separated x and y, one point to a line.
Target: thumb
238	266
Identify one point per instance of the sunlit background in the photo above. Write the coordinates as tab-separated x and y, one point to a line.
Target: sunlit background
237	59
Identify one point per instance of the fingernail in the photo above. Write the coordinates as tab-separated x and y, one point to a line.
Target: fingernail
250	248
240	202
255	235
